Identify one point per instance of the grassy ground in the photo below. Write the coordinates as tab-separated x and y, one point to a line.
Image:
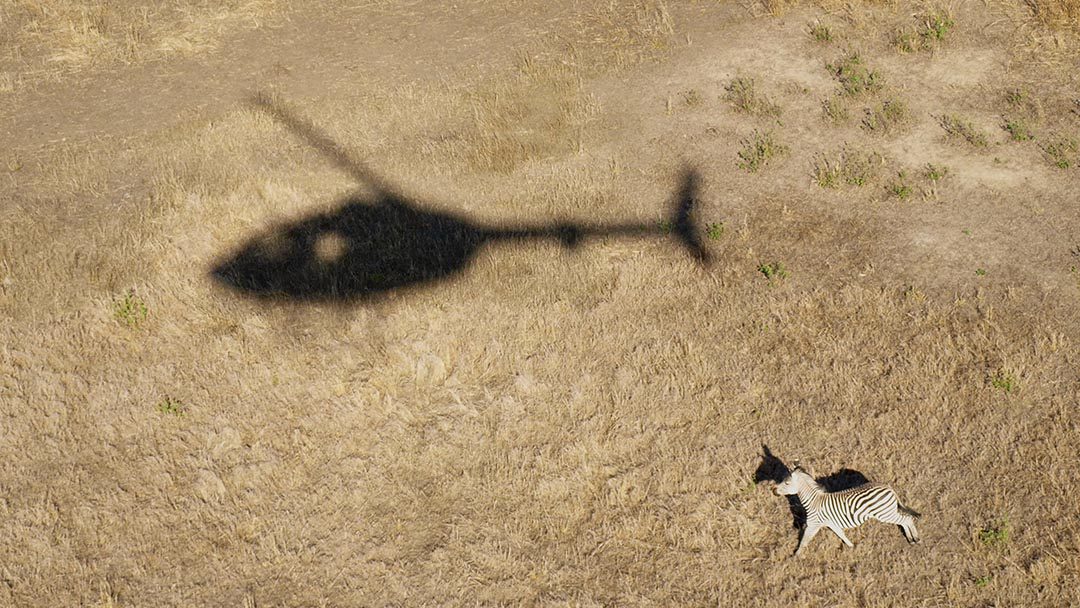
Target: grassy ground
893	290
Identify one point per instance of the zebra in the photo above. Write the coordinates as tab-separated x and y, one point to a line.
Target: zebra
846	509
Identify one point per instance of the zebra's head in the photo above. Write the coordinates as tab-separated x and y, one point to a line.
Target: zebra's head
793	482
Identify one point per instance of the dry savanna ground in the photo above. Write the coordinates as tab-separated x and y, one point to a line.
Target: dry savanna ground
389	303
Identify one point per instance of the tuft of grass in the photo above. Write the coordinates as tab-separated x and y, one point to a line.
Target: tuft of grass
1062	152
1004	380
936	173
743	95
957	127
171	406
889	116
854	77
845	167
932	28
1018	130
935	24
758	150
820	32
1061	14
693	98
980	272
899	187
835	110
130	310
775	270
906	41
994	535
714	230
983	581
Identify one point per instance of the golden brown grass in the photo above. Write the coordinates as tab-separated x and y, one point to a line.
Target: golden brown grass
46	38
551	426
1057	13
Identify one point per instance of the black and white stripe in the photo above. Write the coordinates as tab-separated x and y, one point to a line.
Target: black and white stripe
846	509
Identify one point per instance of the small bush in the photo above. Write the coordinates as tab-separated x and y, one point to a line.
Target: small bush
1003	379
715	230
846	167
776	270
889	116
821	33
935	25
899	187
742	93
855	78
1062	152
995	534
936	173
130	310
835	110
758	150
1018	130
173	407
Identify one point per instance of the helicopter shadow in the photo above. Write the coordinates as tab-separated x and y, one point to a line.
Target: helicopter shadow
772	469
383	243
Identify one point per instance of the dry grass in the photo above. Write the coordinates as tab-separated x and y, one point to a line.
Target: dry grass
1057	13
47	38
551	426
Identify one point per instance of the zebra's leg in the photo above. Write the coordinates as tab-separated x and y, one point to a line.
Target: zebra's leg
809	532
912	533
840	532
906	523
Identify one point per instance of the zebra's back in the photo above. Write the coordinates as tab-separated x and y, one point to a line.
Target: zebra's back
852	507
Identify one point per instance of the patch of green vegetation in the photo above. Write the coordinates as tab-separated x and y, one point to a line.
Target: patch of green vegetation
887	117
847	167
775	270
835	110
759	149
665	226
1004	380
983	581
994	535
854	77
130	310
957	127
899	187
936	173
743	94
1062	152
932	28
821	33
1018	130
935	25
980	272
714	230
173	407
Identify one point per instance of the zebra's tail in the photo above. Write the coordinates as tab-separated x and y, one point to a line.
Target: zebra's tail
911	512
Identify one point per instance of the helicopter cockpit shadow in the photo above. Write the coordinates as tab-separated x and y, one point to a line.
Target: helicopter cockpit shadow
376	245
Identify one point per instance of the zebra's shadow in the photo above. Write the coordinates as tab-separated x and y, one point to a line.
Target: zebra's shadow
773	469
